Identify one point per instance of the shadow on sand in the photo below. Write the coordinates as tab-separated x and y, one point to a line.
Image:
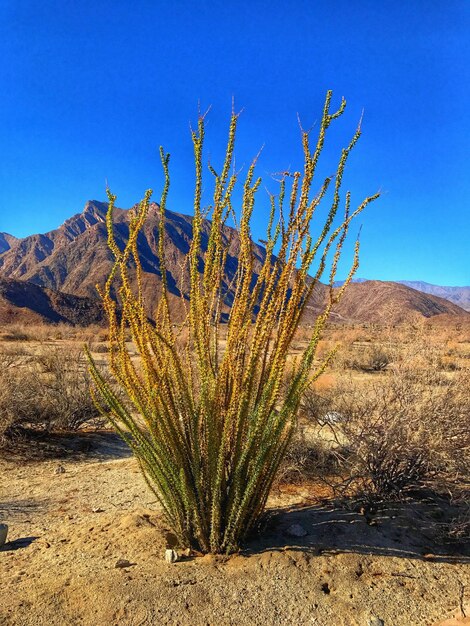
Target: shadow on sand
17	544
93	445
98	445
15	509
410	530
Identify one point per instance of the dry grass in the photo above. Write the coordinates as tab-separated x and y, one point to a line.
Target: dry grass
428	378
402	426
53	332
45	388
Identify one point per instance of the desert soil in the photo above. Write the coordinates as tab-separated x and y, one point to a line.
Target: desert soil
68	529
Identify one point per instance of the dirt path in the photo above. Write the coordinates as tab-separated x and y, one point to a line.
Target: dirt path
68	530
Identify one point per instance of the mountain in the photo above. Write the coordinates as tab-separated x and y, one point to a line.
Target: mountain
67	259
457	295
23	302
74	258
6	241
376	301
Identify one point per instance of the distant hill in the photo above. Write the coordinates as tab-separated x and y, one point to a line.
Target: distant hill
73	258
377	301
458	295
23	302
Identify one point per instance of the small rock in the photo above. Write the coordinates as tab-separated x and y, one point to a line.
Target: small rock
3	534
171	540
332	417
376	621
171	556
296	530
121	563
97	510
59	470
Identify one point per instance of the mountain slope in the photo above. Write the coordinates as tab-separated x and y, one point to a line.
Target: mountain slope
376	301
6	241
75	257
23	302
457	295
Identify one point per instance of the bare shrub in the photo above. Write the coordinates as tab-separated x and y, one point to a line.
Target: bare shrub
449	364
65	383
14	350
46	391
54	332
373	358
377	359
15	333
410	429
306	459
100	348
458	528
17	395
94	333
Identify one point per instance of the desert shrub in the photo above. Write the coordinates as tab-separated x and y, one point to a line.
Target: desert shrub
373	358
16	395
93	333
99	348
52	332
210	426
449	364
48	390
307	459
32	332
315	405
10	352
410	429
377	359
15	333
458	528
65	384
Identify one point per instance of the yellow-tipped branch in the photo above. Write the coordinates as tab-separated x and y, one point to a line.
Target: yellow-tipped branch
210	424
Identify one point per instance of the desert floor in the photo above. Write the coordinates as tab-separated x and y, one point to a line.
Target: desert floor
68	529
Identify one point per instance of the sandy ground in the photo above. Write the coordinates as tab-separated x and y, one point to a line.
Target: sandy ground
69	529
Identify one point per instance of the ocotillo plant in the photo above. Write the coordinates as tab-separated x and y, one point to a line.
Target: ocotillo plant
210	426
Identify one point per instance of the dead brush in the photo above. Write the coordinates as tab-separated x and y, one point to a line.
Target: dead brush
408	430
210	426
373	358
47	390
458	528
307	458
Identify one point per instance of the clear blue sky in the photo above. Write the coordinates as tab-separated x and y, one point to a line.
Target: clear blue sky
89	90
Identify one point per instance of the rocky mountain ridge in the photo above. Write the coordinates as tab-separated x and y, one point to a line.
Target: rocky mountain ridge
74	258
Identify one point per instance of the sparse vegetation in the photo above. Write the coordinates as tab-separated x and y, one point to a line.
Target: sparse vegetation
377	360
407	430
210	427
46	389
306	459
368	358
52	332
